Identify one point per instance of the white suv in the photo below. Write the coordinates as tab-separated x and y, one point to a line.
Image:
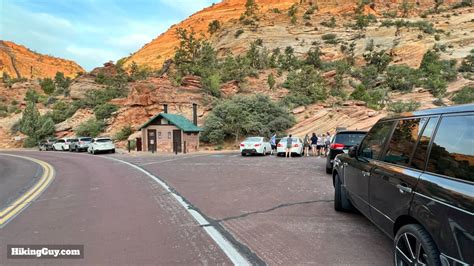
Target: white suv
101	145
63	144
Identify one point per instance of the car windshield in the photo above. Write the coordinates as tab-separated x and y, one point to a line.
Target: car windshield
103	140
85	139
349	139
253	139
72	140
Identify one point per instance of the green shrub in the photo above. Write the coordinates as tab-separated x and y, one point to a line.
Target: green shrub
245	115
271	81
62	111
238	33
104	111
330	24
330	38
306	87
211	85
463	96
401	77
91	128
422	25
214	26
276	10
31	96
400	106
124	133
467	64
47	85
35	126
437	85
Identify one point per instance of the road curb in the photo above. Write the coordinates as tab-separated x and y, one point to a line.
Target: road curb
20	204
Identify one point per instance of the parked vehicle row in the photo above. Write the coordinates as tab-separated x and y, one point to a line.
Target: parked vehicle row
91	145
413	177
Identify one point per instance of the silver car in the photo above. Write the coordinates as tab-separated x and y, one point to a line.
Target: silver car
82	144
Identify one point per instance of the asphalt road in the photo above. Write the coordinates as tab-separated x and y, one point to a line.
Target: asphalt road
280	208
120	216
16	176
274	210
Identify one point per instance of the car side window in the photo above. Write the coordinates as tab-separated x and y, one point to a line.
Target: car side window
419	157
452	151
404	137
373	143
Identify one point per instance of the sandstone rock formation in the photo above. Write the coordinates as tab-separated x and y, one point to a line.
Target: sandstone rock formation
19	61
276	31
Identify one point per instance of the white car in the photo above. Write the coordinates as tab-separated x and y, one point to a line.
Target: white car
297	146
101	145
255	145
63	144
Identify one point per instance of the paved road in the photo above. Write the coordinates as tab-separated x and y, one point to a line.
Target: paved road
280	208
120	215
16	176
274	210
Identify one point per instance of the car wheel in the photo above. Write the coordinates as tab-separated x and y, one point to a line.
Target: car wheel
341	201
413	245
264	151
77	149
328	170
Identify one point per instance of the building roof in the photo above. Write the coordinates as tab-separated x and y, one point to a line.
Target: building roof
178	120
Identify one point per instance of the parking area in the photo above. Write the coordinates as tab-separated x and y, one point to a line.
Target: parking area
280	209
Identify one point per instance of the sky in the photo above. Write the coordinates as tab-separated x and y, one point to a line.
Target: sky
91	32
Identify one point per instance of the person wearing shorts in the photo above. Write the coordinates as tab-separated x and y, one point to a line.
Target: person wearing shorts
289	145
314	143
320	145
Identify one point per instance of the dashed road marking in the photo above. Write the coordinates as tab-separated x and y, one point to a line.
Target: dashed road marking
16	207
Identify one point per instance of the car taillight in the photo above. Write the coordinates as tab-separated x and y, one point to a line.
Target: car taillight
242	145
279	145
257	145
296	145
81	142
337	146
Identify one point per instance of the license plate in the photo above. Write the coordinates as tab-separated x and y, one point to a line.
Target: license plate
345	150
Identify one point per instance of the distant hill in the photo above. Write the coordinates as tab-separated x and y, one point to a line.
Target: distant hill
18	61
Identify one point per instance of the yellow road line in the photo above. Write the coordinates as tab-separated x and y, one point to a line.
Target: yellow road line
21	203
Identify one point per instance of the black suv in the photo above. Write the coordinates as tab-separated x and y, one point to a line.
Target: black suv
340	143
413	177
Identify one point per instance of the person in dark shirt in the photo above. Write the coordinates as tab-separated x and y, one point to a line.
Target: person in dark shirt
289	145
314	143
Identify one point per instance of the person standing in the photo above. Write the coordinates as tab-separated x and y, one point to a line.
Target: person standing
273	142
306	145
314	143
289	145
320	145
328	142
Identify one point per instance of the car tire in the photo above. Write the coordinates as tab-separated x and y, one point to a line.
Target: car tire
408	238
264	151
341	201
328	170
77	149
112	151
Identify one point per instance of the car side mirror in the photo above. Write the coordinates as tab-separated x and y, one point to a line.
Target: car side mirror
353	151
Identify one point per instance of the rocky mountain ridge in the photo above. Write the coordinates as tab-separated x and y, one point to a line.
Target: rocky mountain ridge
20	62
